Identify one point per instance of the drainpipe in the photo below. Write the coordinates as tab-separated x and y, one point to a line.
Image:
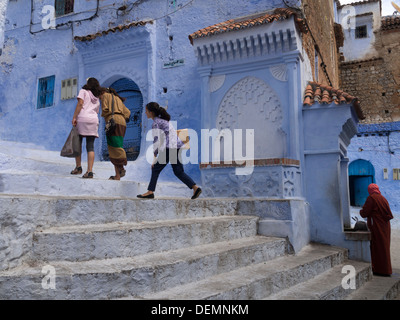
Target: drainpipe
3	10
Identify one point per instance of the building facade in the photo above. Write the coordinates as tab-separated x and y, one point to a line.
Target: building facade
373	76
256	82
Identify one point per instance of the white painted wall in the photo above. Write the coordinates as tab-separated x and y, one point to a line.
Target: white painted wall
351	16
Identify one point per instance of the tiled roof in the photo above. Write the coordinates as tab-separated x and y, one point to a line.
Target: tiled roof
390	23
246	22
358	62
359	3
318	93
113	30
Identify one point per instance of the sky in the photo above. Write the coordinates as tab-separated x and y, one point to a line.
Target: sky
387	8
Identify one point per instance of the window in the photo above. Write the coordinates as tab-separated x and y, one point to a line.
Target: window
385	174
46	92
396	174
316	64
361	32
69	88
64	7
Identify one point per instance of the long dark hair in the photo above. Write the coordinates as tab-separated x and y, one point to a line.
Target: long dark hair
112	91
93	85
158	111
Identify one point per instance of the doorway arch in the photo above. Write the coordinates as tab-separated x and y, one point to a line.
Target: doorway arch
361	174
134	102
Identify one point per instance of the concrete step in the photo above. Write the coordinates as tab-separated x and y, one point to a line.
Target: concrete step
141	275
113	240
257	281
59	166
28	151
47	184
379	288
27	160
328	285
53	211
30	169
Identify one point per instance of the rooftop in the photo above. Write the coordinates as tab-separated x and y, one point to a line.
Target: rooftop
322	94
357	3
250	21
390	23
112	30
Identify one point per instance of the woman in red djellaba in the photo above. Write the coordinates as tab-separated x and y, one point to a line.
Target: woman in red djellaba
377	211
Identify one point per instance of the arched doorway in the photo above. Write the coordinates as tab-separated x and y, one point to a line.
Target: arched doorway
361	174
134	102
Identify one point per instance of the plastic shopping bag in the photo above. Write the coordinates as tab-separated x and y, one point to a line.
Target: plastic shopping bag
72	147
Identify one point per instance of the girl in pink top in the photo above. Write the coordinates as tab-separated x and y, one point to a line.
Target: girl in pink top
87	122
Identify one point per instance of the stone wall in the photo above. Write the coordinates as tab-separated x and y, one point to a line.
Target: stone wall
381	149
320	19
376	82
372	82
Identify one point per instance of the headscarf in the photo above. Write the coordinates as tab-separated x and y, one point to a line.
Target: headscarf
373	188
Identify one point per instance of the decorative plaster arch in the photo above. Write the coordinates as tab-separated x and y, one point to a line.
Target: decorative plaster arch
113	73
252	104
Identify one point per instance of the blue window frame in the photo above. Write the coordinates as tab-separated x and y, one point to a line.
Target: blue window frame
46	92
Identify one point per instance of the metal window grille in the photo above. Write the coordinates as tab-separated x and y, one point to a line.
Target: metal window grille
64	7
46	92
361	32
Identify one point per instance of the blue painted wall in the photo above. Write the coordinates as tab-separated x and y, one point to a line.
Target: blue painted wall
31	52
380	145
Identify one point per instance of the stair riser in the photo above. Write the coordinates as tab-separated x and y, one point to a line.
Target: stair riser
138	281
131	242
279	280
22	215
340	293
72	212
67	212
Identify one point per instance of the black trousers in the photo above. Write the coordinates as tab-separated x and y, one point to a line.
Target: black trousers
89	142
169	155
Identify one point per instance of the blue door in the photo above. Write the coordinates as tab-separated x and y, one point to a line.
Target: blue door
361	190
361	175
134	102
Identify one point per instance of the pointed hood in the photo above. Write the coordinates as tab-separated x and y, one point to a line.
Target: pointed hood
93	99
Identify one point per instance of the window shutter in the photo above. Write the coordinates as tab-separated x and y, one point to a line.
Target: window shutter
69	88
46	92
396	174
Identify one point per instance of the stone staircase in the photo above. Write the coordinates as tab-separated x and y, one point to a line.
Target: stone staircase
93	246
